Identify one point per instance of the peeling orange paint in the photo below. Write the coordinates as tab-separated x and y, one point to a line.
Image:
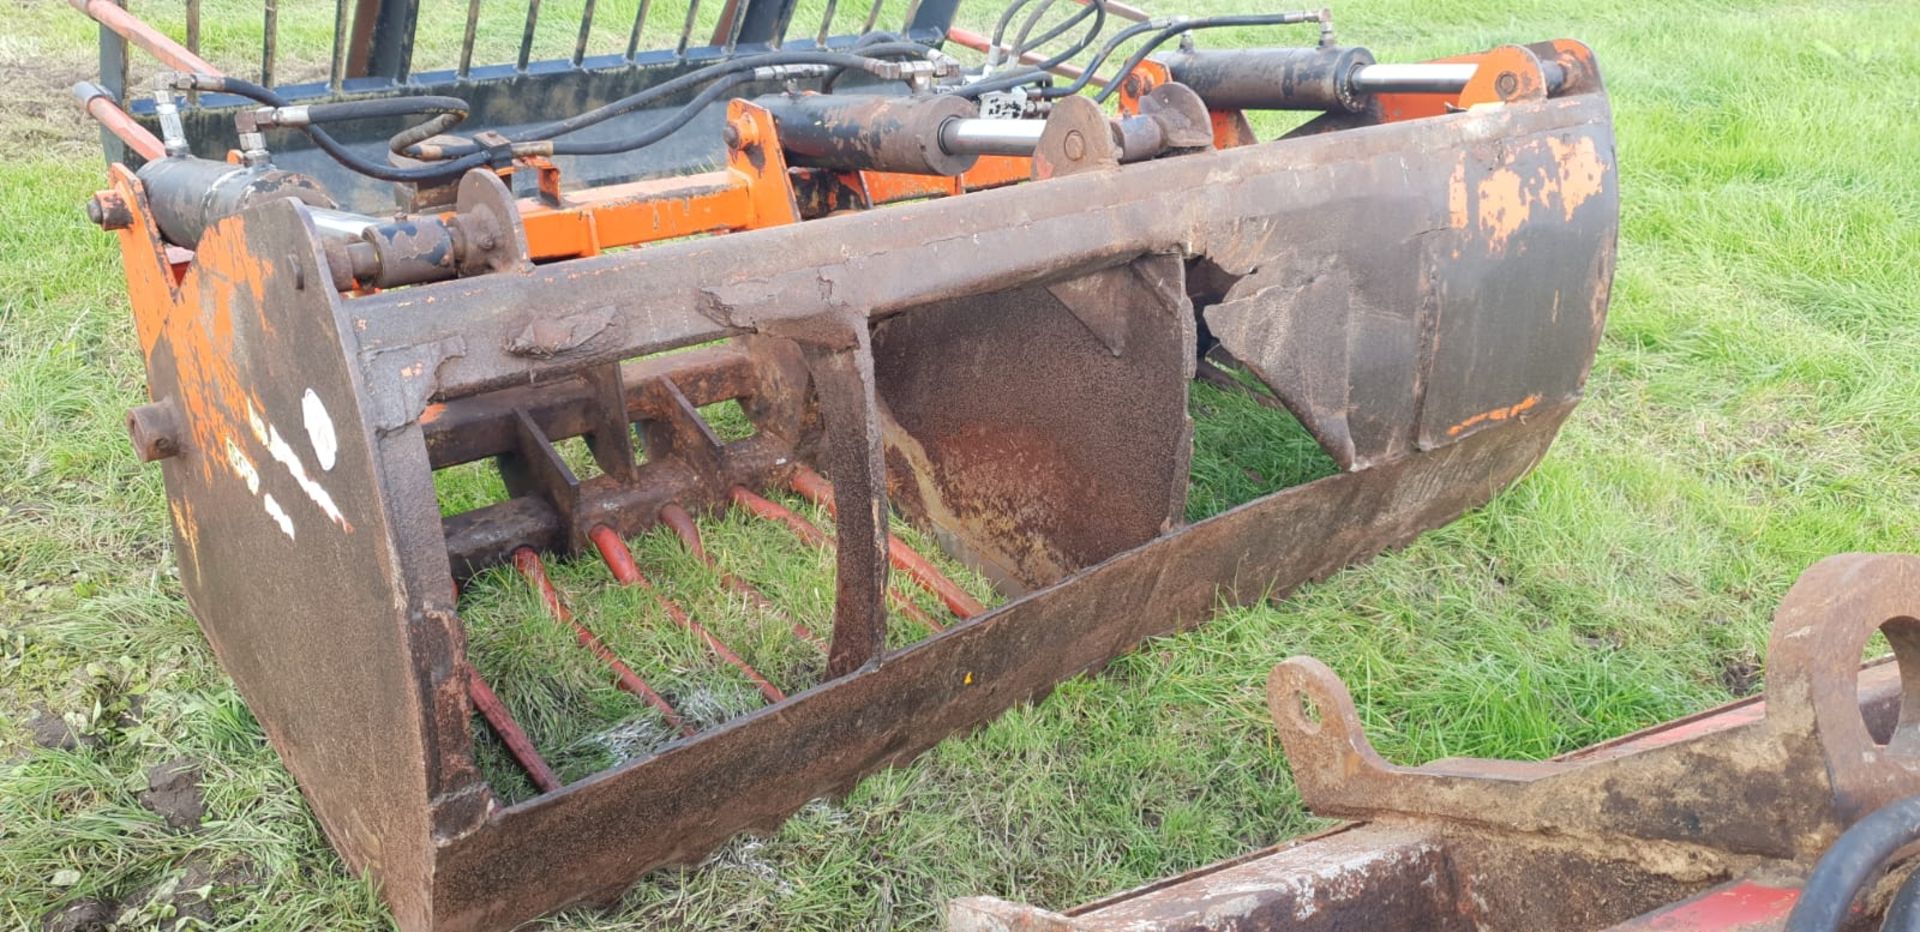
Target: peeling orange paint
199	335
190	321
1582	173
189	529
1498	414
1504	206
1458	211
1505	199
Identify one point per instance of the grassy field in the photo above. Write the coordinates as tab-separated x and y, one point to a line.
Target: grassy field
1755	406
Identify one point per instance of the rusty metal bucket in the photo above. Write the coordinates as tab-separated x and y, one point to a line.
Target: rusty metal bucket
1422	283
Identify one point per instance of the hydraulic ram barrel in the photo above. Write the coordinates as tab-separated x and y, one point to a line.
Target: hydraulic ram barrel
1335	79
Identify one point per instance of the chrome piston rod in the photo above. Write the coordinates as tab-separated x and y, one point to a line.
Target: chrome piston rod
1422	78
970	136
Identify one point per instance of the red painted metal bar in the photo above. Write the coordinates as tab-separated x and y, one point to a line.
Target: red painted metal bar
502	723
620	560
131	28
815	488
762	507
1122	10
683	525
528	563
100	105
979	43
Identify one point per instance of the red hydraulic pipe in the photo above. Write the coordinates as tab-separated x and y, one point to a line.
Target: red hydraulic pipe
771	510
528	563
131	28
682	524
620	561
815	488
502	723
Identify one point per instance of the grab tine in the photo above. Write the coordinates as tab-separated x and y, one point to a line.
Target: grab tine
501	721
682	524
815	488
762	507
620	562
528	563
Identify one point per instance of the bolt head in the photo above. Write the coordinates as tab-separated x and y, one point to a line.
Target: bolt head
1506	83
152	429
108	210
1075	145
733	136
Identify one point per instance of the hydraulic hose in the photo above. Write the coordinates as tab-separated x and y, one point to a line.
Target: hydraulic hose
446	113
1000	26
431	174
1903	914
385	107
865	41
1026	29
1205	22
868	59
1852	861
1098	9
1099	58
661	130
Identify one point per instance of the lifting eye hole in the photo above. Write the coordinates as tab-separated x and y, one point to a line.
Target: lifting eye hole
1902	633
1307	711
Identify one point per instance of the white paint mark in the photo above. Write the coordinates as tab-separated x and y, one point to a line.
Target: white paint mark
326	444
243	467
279	515
283	454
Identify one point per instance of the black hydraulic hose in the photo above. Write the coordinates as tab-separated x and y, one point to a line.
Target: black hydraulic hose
661	130
1099	58
866	60
1026	30
447	113
1059	29
385	107
865	41
430	174
1847	866
1006	17
1204	22
1903	914
1098	8
421	132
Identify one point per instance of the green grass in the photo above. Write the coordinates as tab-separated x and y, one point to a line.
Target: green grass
1753	409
